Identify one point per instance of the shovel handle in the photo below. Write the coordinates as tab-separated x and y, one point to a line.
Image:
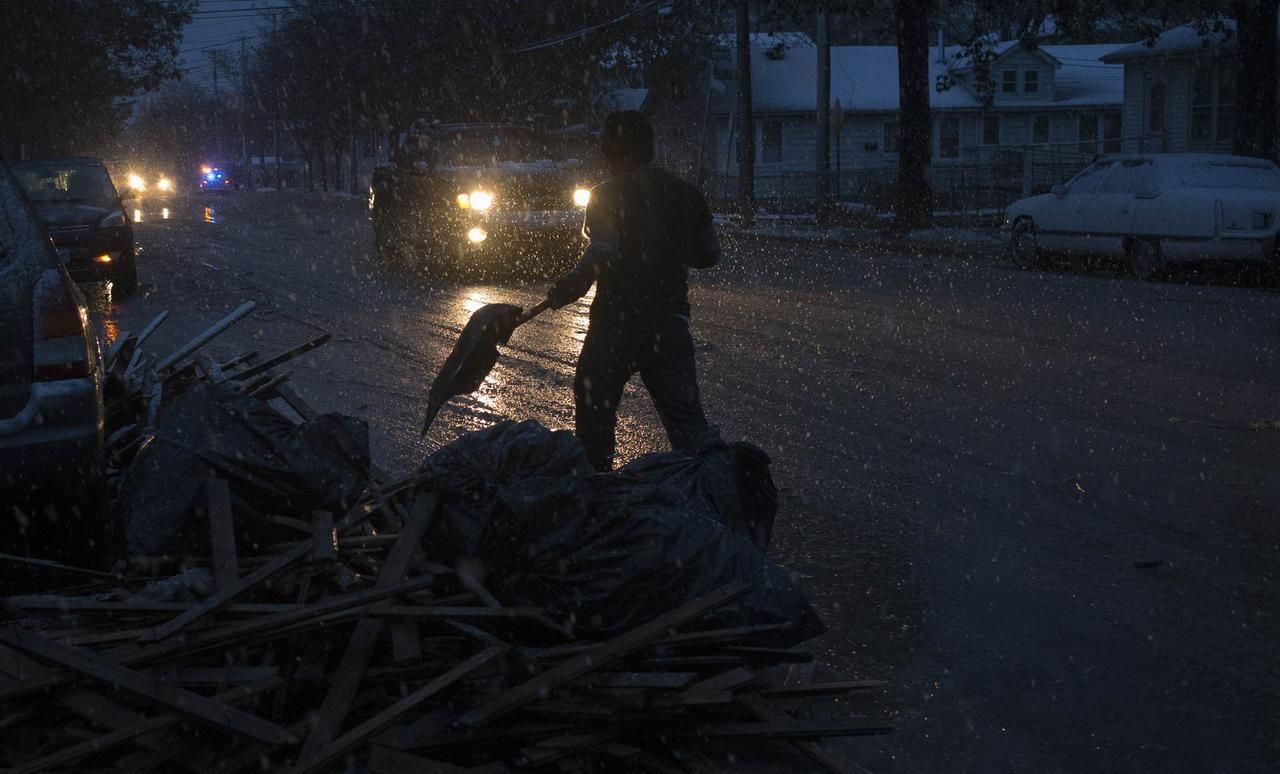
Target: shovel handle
533	312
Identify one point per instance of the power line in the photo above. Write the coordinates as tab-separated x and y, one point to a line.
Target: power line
586	30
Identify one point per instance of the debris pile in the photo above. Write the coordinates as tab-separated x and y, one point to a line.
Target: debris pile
286	605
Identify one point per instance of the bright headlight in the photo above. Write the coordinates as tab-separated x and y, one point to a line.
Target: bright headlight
164	184
477	235
136	182
464	201
581	197
481	200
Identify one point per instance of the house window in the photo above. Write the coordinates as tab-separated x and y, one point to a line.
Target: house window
1087	133
949	137
1111	125
890	135
770	142
1226	103
1031	81
1155	109
1202	108
1009	82
991	130
1040	130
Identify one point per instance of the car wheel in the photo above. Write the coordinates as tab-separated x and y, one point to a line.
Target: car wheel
124	280
1024	245
1145	260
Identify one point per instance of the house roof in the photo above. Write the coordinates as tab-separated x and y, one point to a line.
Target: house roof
865	78
789	39
1179	40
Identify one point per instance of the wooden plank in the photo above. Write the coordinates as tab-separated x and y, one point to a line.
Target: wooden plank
151	327
557	747
222	536
668	681
406	645
121	609
283	357
141	727
387	760
46	564
225	596
216	676
726	681
208	335
602	654
821	689
283	624
355	660
765	711
385	718
296	402
183	701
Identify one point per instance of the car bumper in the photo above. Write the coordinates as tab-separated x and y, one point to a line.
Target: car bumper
56	440
520	232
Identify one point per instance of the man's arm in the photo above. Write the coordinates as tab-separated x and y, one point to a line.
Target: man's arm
602	251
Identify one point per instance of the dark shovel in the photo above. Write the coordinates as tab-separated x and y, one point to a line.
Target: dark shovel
475	353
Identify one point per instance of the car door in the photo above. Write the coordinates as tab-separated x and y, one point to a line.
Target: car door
1061	223
1108	213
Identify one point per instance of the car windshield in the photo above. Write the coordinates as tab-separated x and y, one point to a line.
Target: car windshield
1213	174
490	145
73	183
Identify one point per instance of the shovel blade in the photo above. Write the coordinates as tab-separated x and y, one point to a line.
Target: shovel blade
473	357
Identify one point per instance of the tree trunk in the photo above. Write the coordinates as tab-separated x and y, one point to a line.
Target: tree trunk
324	167
915	137
746	127
1255	118
822	131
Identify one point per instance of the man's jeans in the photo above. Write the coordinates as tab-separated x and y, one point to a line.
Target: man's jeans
662	352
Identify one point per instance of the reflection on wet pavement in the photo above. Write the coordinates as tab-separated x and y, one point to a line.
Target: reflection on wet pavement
209	214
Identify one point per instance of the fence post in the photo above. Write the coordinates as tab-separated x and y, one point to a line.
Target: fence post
1027	172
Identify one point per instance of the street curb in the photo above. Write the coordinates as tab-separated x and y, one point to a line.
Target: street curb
989	250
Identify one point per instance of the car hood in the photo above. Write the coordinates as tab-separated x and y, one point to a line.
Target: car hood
72	214
1031	203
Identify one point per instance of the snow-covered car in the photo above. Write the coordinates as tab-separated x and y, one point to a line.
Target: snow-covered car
1155	209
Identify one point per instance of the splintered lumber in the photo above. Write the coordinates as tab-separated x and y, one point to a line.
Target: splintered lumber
224	596
388	716
222	535
763	710
296	402
109	359
355	660
282	358
46	564
212	332
142	727
781	729
821	689
184	701
602	654
151	327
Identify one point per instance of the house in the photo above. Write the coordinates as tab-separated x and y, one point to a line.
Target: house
1179	90
1060	100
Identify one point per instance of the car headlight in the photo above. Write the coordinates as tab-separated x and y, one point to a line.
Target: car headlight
114	219
581	197
476	235
164	184
136	182
481	200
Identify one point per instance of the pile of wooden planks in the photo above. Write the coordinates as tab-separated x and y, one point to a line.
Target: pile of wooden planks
346	649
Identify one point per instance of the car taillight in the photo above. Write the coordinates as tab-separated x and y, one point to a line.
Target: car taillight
60	348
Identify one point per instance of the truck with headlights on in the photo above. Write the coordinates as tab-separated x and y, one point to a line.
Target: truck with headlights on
480	199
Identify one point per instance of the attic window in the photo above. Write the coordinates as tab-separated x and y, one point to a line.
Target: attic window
1031	81
1009	82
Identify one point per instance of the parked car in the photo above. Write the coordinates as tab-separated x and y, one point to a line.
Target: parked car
51	410
1154	210
83	213
487	198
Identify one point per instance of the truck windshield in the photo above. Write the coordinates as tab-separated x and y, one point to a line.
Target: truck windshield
488	146
1211	174
57	182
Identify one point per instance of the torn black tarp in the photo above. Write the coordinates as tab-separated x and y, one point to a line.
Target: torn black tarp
604	553
271	464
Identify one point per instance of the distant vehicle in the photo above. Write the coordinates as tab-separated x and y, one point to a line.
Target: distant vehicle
1154	210
51	412
488	198
216	179
85	216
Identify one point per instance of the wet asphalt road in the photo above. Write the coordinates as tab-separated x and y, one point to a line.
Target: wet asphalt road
972	460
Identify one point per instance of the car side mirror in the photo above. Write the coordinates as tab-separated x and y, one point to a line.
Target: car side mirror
1058	190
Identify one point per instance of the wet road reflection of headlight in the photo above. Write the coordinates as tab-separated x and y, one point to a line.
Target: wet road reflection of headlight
477	235
481	200
581	197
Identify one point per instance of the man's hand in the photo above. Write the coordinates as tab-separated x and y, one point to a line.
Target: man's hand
577	281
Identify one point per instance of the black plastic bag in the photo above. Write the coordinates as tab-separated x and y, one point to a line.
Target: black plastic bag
269	462
605	553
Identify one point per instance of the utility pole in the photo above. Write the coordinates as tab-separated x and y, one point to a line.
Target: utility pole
275	111
244	102
823	127
217	105
746	127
